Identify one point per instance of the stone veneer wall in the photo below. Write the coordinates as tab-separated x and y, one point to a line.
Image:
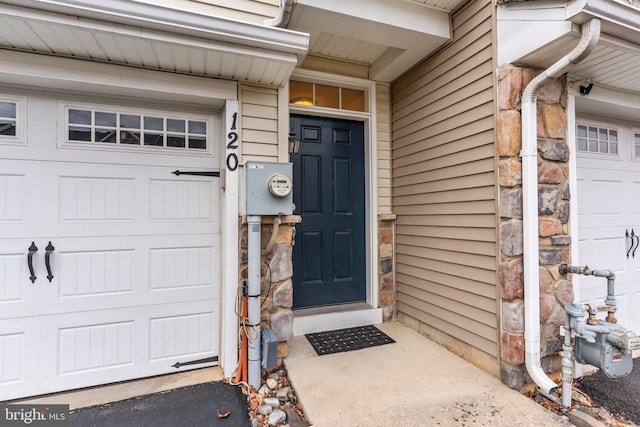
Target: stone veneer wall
553	223
386	263
276	274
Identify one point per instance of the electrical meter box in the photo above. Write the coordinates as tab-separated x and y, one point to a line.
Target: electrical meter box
269	188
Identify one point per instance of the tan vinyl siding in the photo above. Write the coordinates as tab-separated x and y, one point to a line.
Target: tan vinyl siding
444	186
255	11
383	136
259	123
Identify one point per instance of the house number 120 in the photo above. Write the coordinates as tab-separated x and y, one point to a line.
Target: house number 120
232	144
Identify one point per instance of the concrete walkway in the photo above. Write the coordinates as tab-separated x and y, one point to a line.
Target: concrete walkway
413	382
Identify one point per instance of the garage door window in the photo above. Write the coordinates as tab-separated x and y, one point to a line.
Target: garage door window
597	140
102	126
11	119
636	145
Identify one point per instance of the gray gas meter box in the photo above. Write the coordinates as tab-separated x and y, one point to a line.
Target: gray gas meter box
269	188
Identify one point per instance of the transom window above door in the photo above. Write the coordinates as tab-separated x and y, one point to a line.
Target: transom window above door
133	128
597	139
318	95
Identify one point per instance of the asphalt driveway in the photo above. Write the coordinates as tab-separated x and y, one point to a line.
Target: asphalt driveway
194	406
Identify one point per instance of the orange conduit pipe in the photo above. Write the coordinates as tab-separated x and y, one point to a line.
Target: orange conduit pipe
242	363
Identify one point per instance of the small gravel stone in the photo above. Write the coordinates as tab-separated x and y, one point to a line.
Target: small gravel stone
272	384
272	401
283	394
264	390
255	422
265	409
277	417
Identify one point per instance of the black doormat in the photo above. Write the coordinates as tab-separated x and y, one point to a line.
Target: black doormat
348	339
193	406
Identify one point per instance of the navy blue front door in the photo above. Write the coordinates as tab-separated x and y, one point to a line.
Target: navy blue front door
329	193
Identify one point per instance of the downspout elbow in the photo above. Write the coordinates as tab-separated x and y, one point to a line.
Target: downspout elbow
282	20
529	153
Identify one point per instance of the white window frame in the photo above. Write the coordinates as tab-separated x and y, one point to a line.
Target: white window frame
20	137
598	154
213	123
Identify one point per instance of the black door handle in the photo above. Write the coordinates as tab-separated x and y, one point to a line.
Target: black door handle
32	250
47	261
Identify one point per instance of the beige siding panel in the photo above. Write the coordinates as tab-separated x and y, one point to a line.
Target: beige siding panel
463	234
473	220
476	206
442	293
259	123
408	154
481	180
448	327
263	111
419	277
471	83
256	123
435	169
451	245
444	185
383	139
468	116
469	258
464	195
453	298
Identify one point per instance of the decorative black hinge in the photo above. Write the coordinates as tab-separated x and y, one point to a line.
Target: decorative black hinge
195	362
178	173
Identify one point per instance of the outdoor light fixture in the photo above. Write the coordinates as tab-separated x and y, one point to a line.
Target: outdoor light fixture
294	143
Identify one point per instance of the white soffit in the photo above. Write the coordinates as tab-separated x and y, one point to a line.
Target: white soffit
613	63
148	36
390	37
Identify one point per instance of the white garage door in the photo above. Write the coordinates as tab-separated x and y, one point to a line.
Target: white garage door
608	209
125	276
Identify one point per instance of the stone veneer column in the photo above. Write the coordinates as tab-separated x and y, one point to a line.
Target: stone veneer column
276	274
386	266
553	223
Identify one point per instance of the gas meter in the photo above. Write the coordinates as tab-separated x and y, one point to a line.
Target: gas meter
269	188
602	343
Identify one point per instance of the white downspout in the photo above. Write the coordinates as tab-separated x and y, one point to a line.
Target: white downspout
282	20
590	36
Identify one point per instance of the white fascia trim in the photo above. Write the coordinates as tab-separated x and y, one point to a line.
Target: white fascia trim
143	15
27	69
371	158
616	12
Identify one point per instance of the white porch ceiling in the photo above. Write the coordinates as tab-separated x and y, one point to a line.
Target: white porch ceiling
387	36
613	64
140	35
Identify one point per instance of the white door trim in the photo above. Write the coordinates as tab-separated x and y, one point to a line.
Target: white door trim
307	322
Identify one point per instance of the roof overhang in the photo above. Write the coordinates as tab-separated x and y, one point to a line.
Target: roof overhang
389	37
557	26
153	37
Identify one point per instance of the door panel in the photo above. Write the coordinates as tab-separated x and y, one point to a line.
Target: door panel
329	194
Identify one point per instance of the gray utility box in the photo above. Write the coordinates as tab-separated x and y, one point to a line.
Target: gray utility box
269	188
